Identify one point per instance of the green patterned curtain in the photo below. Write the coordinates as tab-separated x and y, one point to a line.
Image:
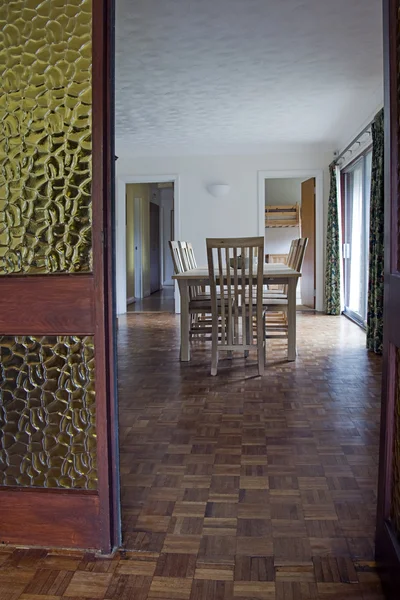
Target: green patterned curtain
332	272
376	245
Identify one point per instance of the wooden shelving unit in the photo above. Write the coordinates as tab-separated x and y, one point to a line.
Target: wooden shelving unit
282	216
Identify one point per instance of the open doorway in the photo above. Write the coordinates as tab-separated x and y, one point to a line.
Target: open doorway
290	214
149	228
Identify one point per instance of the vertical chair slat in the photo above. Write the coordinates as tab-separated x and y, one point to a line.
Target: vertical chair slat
222	296
243	296
235	298
251	283
229	295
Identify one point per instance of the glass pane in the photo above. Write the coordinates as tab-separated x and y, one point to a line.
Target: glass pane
356	249
356	237
47	412
45	136
367	196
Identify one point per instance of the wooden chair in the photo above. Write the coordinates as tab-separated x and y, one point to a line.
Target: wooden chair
189	262
292	262
235	273
272	259
199	305
277	303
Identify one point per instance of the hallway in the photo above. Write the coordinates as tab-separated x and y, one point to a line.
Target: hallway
241	487
161	301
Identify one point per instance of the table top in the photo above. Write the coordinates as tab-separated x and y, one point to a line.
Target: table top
275	270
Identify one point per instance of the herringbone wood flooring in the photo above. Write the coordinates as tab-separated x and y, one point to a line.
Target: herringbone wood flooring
233	487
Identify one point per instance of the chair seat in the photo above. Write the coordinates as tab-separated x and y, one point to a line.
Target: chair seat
273	295
269	301
276	302
202	296
202	304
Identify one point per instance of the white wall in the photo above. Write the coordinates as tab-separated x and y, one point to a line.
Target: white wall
278	192
200	214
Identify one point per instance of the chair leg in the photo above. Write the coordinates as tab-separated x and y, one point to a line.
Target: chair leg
248	325
229	336
214	359
214	346
260	345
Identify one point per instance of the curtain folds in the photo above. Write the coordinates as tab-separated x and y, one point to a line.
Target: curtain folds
332	272
376	240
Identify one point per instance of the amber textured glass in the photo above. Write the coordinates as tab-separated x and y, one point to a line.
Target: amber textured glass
45	136
47	412
396	453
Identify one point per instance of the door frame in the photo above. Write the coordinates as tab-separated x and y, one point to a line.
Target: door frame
318	174
387	549
120	244
103	165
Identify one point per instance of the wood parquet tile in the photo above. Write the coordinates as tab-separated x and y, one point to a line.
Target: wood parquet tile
233	487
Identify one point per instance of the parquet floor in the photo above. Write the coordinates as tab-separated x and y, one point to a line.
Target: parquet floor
233	487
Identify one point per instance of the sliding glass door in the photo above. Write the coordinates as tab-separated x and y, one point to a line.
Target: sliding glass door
356	186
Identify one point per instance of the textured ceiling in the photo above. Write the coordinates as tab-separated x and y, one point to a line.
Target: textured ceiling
198	74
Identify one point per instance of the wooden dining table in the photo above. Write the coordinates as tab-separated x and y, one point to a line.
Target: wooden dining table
274	273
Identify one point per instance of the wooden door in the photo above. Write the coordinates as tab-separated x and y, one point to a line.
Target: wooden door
308	230
388	515
57	483
155	263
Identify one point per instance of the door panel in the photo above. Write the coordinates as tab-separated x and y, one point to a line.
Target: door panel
388	515
308	230
56	341
155	267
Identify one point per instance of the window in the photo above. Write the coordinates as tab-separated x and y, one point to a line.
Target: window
356	182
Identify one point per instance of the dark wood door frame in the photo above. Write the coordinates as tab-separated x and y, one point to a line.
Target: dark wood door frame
104	270
387	545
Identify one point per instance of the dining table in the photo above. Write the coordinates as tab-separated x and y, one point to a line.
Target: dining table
274	273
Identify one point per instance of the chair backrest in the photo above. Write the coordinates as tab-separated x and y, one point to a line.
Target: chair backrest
176	255
300	252
182	262
291	259
189	261
296	253
236	267
192	258
184	255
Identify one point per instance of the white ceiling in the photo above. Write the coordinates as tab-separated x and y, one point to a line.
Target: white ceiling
198	75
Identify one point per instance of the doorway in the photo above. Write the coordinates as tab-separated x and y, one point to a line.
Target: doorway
318	204
149	227
290	214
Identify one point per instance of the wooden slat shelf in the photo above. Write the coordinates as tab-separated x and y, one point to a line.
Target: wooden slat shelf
282	216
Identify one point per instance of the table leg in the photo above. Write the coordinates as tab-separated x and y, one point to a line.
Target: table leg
291	317
185	320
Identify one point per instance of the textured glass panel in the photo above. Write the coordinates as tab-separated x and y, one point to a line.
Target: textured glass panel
47	412
45	136
396	453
